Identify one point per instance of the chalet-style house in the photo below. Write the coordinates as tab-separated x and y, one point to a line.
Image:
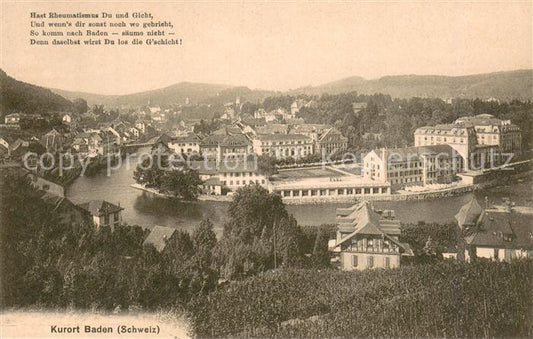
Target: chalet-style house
367	238
499	233
104	213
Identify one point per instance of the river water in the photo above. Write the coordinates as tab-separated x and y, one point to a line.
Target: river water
147	210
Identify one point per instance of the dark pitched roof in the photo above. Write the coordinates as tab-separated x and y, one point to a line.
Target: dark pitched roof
226	140
188	138
159	237
332	131
503	230
278	137
363	219
469	213
100	207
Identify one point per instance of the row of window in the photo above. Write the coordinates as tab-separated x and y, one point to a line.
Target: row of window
370	261
273	143
406	180
333	191
405	173
115	218
185	144
461	140
238	182
250	174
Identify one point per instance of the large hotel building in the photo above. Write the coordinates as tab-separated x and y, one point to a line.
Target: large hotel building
413	166
481	140
442	151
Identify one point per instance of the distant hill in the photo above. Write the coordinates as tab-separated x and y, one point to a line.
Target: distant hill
174	94
500	85
18	96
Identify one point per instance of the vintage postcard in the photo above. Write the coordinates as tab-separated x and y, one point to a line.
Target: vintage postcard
214	169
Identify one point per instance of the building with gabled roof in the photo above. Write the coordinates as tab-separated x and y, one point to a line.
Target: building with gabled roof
53	141
332	141
159	237
104	213
189	144
226	146
498	233
469	214
367	238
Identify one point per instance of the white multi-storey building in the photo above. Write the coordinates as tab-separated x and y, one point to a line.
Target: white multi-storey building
283	146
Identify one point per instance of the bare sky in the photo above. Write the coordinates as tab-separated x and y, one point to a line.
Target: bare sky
276	46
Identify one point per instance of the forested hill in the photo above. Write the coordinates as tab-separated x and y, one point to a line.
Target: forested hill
174	94
18	96
501	85
197	93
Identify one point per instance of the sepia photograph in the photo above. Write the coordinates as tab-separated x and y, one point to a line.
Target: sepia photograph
255	169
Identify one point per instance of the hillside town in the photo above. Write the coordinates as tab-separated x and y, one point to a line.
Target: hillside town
309	161
302	163
300	169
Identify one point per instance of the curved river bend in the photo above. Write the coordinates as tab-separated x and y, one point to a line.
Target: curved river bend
147	210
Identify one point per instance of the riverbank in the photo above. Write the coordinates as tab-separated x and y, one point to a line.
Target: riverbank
201	197
429	194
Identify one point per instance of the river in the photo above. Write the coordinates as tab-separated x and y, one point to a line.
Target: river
147	210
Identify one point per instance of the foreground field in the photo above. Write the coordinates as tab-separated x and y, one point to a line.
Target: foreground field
443	300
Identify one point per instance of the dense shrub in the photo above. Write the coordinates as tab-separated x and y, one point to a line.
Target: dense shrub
451	299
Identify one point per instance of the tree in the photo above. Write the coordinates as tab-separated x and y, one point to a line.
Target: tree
98	109
149	173
266	165
203	237
321	255
80	105
252	212
258	236
182	183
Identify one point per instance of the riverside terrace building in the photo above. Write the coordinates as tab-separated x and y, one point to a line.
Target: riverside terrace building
479	139
413	166
367	238
312	184
283	146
